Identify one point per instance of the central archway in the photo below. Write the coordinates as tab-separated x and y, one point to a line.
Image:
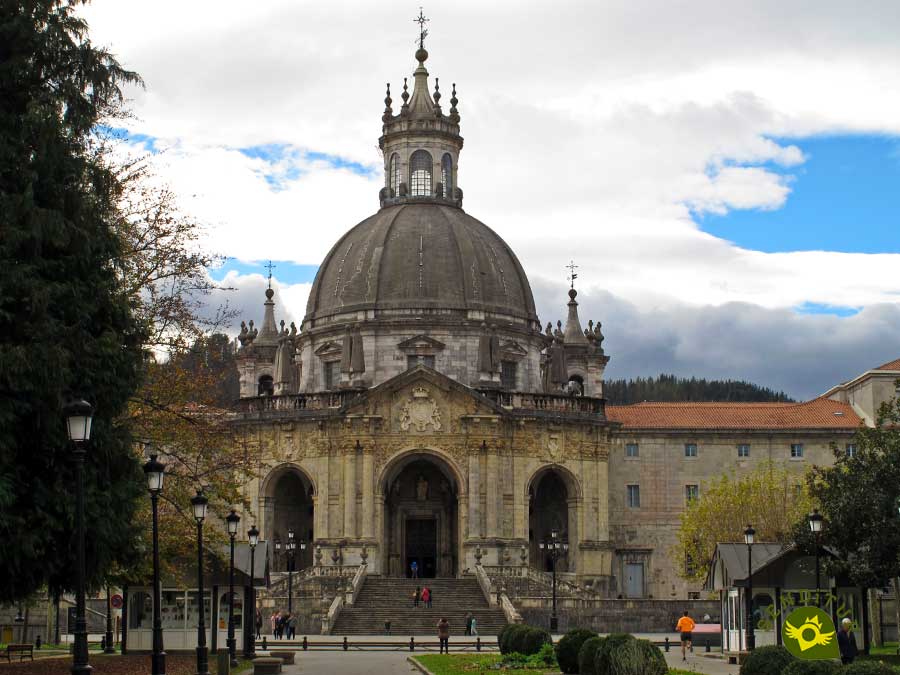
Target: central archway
289	498
421	516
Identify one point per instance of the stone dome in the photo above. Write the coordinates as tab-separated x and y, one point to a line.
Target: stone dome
420	258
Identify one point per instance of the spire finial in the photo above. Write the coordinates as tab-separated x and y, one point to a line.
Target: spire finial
269	266
388	112
437	98
423	32
405	97
454	113
572	276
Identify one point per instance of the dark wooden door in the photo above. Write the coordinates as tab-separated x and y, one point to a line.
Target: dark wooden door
421	546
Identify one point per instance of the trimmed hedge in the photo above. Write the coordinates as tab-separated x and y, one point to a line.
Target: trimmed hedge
568	646
522	639
867	668
768	660
799	667
602	661
635	657
587	655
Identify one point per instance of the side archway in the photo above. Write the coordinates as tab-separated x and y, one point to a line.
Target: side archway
420	491
553	495
288	494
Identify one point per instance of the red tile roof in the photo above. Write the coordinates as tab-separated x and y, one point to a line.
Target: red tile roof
820	413
890	365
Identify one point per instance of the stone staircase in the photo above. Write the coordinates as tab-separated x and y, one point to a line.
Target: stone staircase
390	599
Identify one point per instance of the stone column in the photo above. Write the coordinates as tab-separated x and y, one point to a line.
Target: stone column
320	512
368	496
349	495
475	529
603	501
574	534
520	508
493	494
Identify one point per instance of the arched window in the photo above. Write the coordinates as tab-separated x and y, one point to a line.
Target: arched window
447	174
266	386
420	174
394	174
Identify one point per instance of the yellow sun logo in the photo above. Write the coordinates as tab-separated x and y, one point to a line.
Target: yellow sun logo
809	634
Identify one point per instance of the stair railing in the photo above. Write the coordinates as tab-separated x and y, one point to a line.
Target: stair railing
486	586
345	595
356	585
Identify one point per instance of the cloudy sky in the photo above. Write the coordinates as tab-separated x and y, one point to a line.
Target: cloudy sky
726	174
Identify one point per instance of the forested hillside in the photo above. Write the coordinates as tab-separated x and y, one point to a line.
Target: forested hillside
672	388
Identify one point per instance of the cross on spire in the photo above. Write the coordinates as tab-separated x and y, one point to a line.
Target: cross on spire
423	32
269	266
572	276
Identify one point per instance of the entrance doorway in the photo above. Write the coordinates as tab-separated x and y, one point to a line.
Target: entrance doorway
421	512
421	546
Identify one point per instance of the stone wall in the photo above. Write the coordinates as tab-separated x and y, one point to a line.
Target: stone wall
617	616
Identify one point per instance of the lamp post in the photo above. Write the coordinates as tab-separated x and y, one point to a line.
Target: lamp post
749	535
155	471
199	505
109	647
556	549
79	415
232	519
291	546
815	524
253	538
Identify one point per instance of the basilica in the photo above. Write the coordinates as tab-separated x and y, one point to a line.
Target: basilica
423	413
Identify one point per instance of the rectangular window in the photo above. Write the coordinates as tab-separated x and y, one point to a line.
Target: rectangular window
690	449
634	496
796	450
508	372
632	450
691	492
693	595
689	567
412	360
851	449
743	450
332	374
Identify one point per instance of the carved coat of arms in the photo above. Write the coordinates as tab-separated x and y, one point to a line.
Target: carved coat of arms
420	411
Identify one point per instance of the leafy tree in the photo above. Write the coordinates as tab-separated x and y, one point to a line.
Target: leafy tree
672	388
859	499
770	498
65	328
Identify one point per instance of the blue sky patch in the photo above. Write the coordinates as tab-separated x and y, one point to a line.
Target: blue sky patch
290	163
818	308
845	197
284	271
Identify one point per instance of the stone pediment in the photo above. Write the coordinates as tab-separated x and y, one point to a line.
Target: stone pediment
420	342
329	349
513	350
423	400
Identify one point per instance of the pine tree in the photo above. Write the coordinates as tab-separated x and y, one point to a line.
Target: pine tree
671	388
65	328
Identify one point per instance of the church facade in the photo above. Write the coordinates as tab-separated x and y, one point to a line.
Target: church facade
422	413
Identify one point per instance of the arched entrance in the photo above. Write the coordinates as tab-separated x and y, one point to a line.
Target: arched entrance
421	516
549	502
289	505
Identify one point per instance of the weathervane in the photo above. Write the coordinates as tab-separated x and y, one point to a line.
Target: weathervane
269	266
572	276
423	32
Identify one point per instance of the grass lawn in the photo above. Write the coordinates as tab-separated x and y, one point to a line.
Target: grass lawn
478	664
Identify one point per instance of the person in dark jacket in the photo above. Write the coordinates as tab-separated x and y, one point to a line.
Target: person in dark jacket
444	635
846	642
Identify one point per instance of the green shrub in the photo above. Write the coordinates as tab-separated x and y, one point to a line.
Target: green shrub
568	646
532	640
507	637
587	655
769	660
635	657
867	668
546	656
799	667
602	663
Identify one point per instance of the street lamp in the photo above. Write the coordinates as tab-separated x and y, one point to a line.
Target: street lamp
79	415
232	519
199	505
109	648
253	538
815	524
556	549
749	535
291	547
155	471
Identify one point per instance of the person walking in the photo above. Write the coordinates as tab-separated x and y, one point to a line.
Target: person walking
426	597
273	623
473	629
258	624
414	569
846	641
469	617
443	627
685	626
416	596
430	597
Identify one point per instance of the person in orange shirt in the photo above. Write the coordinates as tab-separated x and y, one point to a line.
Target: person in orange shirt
685	626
